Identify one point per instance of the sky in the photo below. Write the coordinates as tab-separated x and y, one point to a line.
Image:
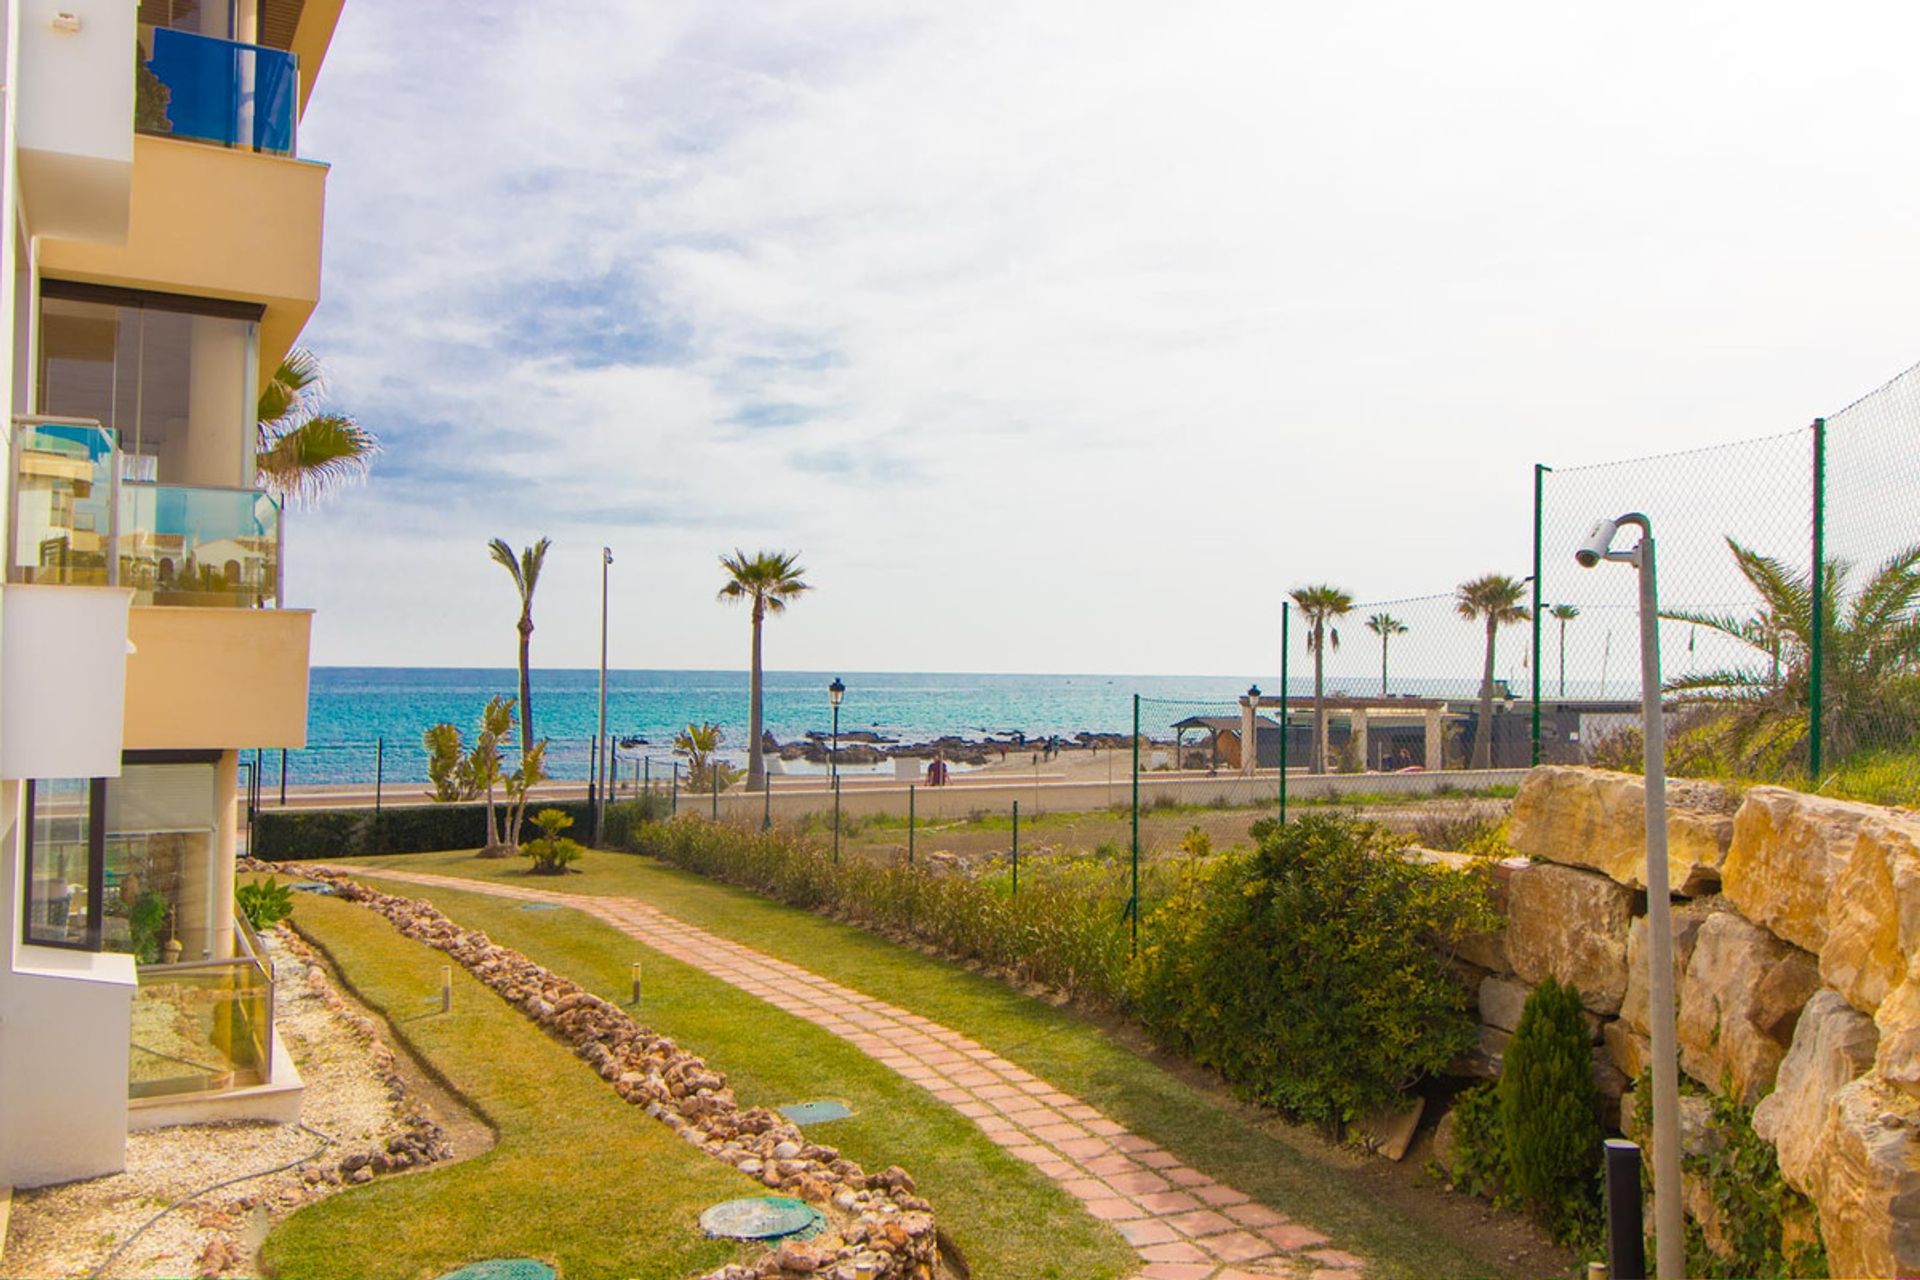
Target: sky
1059	337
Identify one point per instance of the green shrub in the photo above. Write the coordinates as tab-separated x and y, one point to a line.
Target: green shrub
1312	972
551	851
1549	1109
1752	1204
265	903
1480	1143
292	835
621	817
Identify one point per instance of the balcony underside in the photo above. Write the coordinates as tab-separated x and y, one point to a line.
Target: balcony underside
212	679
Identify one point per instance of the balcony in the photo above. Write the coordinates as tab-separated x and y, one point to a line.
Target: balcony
205	89
204	1025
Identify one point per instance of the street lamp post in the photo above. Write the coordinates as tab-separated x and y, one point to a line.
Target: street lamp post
1669	1244
600	738
835	692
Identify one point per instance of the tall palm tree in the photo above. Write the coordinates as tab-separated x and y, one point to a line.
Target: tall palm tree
1494	599
1385	625
1757	720
1320	605
768	580
1563	614
526	576
302	450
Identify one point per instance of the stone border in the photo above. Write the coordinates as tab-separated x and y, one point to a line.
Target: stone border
883	1230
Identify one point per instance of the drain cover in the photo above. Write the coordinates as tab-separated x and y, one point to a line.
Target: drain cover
311	886
816	1112
763	1218
503	1269
539	906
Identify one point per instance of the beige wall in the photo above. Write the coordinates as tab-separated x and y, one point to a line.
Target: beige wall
219	223
217	678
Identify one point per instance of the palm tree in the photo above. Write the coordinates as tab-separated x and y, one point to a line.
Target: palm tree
1758	720
1320	605
526	576
1385	625
301	451
1495	599
699	743
1563	614
769	580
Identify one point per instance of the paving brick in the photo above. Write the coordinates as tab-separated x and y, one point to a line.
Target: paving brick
1239	1246
1337	1258
1255	1215
1177	1251
1294	1236
1201	1222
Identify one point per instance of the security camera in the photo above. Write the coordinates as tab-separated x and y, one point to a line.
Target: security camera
1599	542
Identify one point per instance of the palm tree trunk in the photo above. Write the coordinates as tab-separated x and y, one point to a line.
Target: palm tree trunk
1319	698
1383	666
493	826
1563	657
526	684
1483	739
756	766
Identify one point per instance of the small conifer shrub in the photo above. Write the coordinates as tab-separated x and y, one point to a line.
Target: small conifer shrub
1549	1111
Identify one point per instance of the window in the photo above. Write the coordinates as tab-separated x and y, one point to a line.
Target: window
174	377
127	864
203	17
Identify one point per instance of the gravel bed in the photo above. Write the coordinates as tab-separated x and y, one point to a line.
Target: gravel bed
353	1105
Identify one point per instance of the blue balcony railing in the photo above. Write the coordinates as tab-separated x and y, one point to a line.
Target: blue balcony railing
216	91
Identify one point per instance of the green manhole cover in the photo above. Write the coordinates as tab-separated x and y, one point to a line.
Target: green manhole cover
539	906
763	1218
503	1269
311	886
816	1112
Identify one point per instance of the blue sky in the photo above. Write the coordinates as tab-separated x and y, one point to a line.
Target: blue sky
1059	337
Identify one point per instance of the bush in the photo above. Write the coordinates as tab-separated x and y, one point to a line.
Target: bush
293	835
1480	1143
1752	1203
622	817
265	903
1307	972
1549	1108
551	851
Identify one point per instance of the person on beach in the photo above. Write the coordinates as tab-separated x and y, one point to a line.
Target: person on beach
937	770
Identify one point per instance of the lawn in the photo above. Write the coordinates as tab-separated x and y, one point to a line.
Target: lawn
1283	1166
577	1177
1005	1217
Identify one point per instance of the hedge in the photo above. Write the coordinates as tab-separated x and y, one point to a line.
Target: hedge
293	835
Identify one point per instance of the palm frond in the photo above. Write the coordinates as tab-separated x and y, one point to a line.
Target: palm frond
304	461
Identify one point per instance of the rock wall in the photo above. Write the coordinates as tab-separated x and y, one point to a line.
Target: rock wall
1796	965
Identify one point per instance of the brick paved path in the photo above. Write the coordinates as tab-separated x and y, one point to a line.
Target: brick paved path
1183	1224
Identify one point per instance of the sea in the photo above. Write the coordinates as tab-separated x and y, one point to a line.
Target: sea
368	721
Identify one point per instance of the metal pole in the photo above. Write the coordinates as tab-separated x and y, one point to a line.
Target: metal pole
910	807
833	759
1539	490
713	773
836	819
283	777
1016	848
1286	612
676	789
766	804
379	769
1669	1242
1133	901
646	773
1626	1232
606	560
1816	697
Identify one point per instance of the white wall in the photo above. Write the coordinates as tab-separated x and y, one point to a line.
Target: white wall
64	1019
63	680
73	97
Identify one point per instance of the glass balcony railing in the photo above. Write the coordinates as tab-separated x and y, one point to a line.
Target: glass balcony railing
217	91
199	546
73	520
203	1026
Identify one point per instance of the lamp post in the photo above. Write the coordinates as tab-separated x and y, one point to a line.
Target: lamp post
1250	749
600	738
835	692
1669	1244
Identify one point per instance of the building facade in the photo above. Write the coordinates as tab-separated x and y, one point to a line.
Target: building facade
161	256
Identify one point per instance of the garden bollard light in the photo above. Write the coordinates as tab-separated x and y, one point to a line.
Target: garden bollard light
636	984
446	988
1626	1230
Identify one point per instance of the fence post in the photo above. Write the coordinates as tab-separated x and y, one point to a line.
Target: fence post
766	803
713	771
283	777
379	770
674	811
1540	470
646	772
1016	848
910	805
1286	613
1816	698
1133	899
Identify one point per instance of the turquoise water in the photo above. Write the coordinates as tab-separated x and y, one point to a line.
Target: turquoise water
352	708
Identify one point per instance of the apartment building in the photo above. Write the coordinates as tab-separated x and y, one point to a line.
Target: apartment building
161	256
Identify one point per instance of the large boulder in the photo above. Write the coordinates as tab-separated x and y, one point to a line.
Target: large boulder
1740	996
1687	919
1788	849
1898	1020
1833	1046
1867	1182
1594	818
1570	925
1873	910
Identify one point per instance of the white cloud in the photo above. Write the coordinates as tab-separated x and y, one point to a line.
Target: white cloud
1059	337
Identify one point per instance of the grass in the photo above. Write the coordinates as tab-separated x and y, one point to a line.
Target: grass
1281	1165
1877	777
577	1177
1007	1219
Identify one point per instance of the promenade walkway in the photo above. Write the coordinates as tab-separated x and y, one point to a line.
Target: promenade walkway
1182	1223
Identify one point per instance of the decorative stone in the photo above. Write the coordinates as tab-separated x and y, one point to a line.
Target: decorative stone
1570	925
1501	1002
1687	919
1788	849
1631	1051
1720	1041
1389	1131
1873	911
1833	1046
1898	1021
1867	1182
1594	818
